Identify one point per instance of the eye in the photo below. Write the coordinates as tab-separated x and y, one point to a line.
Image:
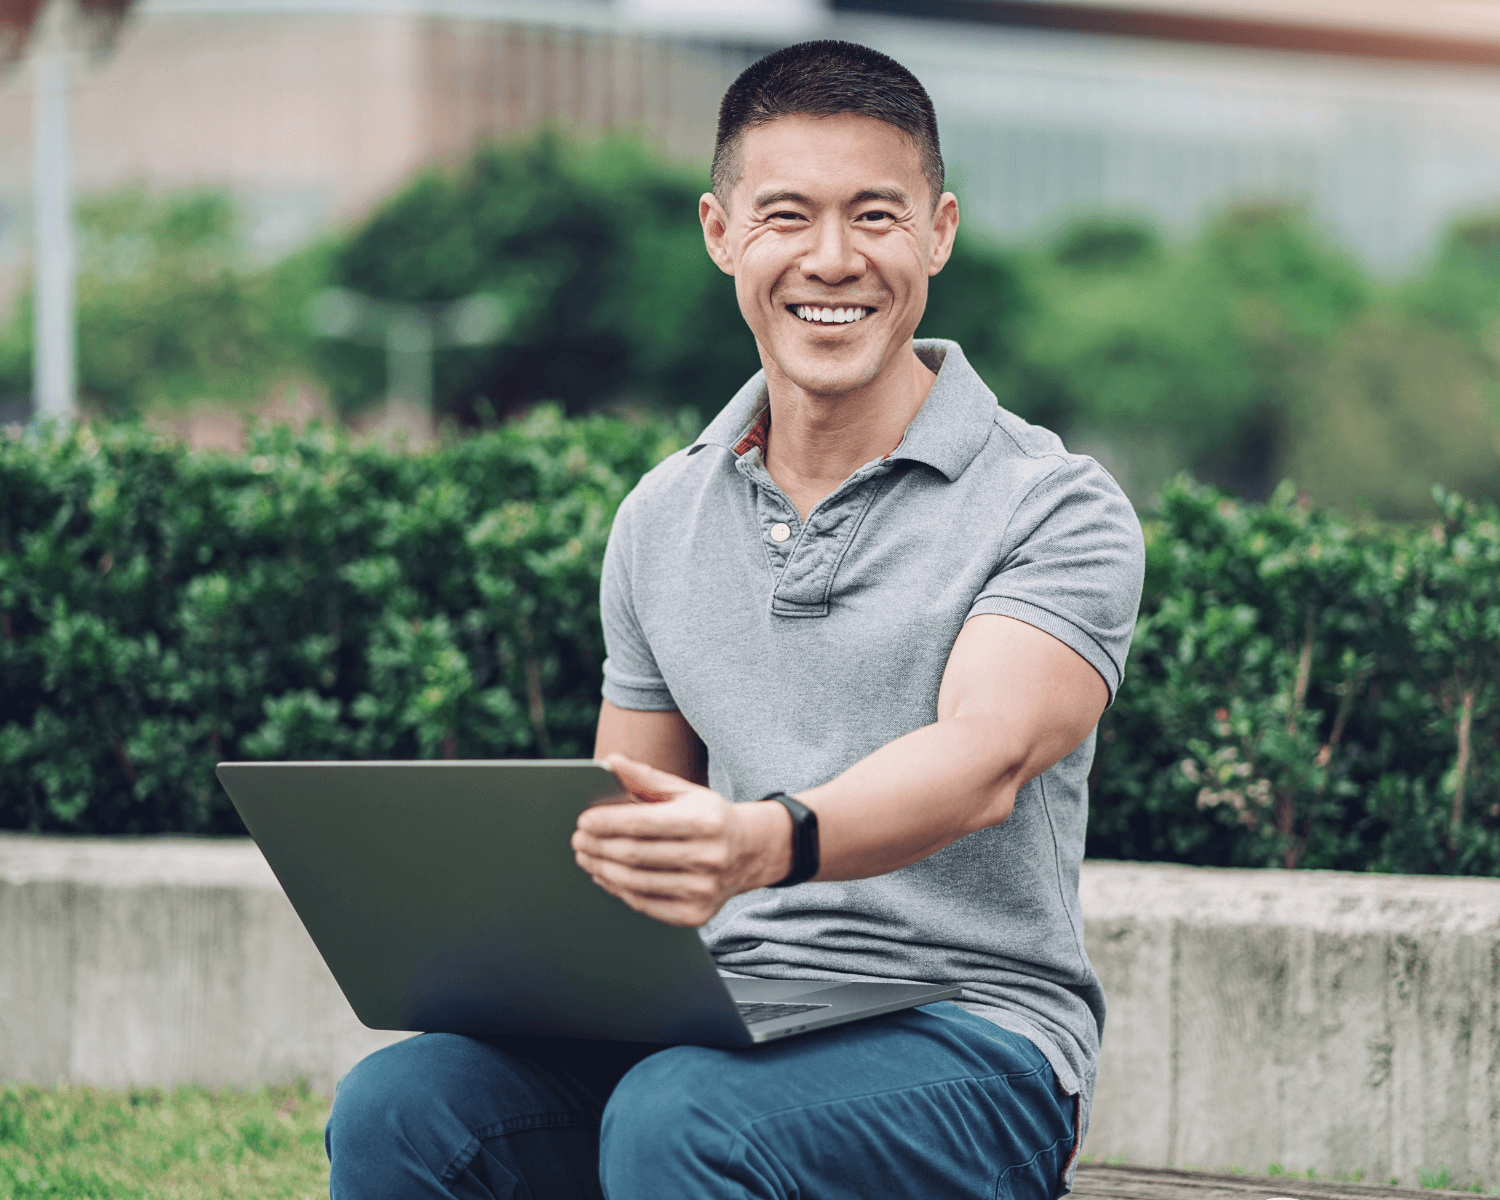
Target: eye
785	216
875	215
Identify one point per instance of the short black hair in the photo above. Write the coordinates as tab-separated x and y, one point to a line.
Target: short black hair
825	79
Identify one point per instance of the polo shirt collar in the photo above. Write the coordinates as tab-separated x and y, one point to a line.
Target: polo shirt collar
947	433
953	424
738	417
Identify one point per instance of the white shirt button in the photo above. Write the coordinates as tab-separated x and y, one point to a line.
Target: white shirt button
780	531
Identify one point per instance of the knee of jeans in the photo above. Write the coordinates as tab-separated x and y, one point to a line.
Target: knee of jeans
672	1108
388	1093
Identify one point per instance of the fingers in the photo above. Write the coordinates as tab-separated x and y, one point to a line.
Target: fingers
646	782
669	858
675	897
640	881
666	854
681	817
621	797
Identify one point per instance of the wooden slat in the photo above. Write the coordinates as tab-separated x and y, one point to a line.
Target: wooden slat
1098	1181
1212	26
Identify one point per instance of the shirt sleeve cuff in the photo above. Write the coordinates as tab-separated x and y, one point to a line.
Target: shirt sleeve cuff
638	695
1060	627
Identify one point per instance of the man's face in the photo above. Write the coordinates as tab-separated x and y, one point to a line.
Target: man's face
831	218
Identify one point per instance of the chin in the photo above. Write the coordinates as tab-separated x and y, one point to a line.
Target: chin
828	376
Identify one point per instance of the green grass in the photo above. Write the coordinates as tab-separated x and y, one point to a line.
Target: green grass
196	1144
187	1144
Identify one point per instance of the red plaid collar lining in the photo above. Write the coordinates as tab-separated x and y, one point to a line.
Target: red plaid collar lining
756	438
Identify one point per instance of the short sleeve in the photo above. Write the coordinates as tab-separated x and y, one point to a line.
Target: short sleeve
1073	565
631	677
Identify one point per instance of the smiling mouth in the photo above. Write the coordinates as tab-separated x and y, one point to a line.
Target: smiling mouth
814	315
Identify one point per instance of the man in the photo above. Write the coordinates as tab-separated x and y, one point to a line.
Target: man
870	587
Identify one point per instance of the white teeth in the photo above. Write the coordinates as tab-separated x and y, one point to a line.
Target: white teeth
830	316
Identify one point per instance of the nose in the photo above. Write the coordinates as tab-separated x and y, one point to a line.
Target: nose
832	260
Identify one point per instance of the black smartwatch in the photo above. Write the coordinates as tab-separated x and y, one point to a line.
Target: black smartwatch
804	839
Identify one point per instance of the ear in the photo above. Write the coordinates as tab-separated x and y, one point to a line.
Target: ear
715	223
944	229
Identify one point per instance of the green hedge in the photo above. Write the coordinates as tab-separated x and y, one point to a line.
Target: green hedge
1306	691
1303	690
162	610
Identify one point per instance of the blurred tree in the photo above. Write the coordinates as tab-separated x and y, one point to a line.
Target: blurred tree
1201	354
1132	343
596	251
1461	291
1108	243
1397	404
168	309
984	300
1291	297
1253	352
1410	394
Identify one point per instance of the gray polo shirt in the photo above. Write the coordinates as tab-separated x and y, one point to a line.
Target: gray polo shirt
795	650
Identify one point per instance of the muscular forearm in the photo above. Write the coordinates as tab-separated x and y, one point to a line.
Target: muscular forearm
914	796
685	851
1013	702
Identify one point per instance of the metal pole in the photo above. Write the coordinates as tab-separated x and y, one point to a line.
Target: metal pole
53	345
408	357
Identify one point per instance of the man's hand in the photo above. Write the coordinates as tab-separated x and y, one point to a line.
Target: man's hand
678	851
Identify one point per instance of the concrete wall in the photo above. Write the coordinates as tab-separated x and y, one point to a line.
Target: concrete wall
1313	1019
159	961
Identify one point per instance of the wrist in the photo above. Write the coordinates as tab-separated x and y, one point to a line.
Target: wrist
770	828
806	857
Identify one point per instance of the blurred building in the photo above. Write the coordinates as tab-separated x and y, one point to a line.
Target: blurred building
313	112
1382	116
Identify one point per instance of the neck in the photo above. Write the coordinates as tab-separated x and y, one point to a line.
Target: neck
818	440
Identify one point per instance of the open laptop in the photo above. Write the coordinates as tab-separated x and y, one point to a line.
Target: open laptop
444	897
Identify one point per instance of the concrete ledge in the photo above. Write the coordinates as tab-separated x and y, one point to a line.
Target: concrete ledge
158	961
1313	1019
1316	1019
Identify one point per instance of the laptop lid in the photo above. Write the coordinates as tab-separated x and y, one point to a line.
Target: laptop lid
444	896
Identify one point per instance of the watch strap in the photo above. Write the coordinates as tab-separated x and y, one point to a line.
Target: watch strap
805	859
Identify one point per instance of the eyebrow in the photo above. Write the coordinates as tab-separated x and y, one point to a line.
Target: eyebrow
765	198
890	195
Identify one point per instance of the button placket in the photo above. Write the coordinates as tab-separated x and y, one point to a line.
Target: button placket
773	512
807	583
775	518
805	560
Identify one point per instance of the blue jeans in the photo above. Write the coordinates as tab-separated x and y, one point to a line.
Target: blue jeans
930	1102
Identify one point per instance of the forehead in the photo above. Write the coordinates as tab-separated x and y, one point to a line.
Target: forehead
828	157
